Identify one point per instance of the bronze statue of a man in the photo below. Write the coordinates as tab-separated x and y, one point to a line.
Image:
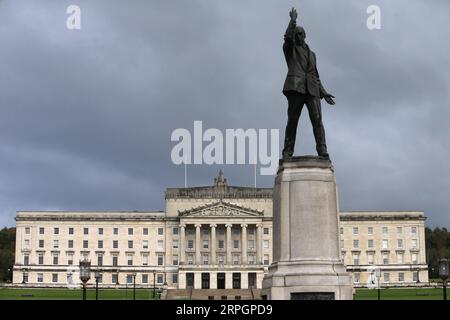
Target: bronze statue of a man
302	86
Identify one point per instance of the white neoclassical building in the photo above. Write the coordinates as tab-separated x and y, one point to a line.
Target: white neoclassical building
212	237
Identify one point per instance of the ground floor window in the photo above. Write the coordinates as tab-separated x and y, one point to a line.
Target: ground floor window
236	280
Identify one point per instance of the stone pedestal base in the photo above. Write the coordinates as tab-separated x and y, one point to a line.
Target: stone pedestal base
306	253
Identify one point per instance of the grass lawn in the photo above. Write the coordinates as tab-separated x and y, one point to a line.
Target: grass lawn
401	294
73	294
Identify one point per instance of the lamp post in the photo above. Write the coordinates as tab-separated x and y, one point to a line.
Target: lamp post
134	285
443	274
23	275
85	274
97	279
378	275
154	284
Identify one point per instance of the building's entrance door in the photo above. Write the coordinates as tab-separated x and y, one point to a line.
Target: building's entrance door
236	280
205	280
220	280
189	280
252	280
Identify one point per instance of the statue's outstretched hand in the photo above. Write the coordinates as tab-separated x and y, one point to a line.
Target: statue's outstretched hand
329	99
293	14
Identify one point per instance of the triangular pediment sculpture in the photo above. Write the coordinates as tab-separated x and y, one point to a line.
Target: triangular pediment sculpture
220	209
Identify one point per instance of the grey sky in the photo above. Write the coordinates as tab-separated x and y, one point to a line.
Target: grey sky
86	116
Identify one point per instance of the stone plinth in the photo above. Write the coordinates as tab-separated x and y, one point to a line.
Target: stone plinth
306	254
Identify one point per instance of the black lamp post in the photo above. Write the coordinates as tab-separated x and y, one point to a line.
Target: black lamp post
97	279
378	275
154	284
134	285
23	275
85	274
443	274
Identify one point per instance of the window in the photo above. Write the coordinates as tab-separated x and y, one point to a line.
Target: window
70	230
160	244
100	244
190	244
55	259
416	276
385	259
26	244
40	258
205	244
100	231
401	276
160	260
100	278
386	277
385	230
100	260
145	260
190	259
370	258
205	259
356	244
26	260
159	278
175	260
130	244
130	260
145	244
414	258
356	278
130	231
175	231
266	259
114	261
251	231
174	278
385	244
54	277
115	244
116	231
355	230
266	230
85	230
55	244
341	230
235	231
356	259
129	279
221	231
55	230
70	259
220	258
70	244
25	277
41	243
399	230
236	244
400	258
266	244
85	244
145	231
114	279
251	244
342	244
40	277
205	232
41	230
414	244
221	244
251	259
145	278
27	230
399	243
160	231
235	259
370	243
414	230
370	231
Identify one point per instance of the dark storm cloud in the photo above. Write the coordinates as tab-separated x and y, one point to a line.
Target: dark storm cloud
86	116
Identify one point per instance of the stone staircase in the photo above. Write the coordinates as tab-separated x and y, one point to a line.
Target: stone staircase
213	294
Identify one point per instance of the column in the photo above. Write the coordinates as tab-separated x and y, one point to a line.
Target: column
182	244
213	243
198	244
259	251
229	260
244	243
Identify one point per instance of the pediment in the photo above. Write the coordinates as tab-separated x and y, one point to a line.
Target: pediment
220	209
